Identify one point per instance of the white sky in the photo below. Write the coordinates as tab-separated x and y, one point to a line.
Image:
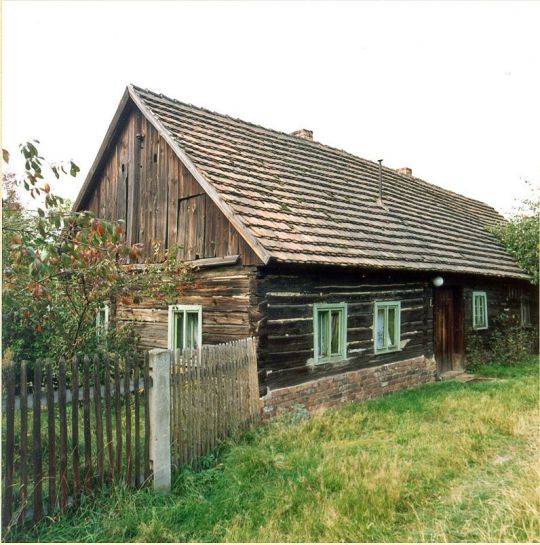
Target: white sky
451	90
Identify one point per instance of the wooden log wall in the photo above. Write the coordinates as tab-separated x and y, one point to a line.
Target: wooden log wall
142	182
225	295
503	297
285	328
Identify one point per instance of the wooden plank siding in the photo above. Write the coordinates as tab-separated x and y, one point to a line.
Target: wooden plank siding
283	317
224	294
142	182
285	302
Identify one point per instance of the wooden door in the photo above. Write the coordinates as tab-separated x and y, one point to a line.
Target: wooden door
445	329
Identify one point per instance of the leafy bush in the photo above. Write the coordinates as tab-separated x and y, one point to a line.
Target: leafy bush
520	235
60	267
506	343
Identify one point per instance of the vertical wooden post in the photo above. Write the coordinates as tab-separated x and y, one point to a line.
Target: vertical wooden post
99	421
75	430
36	443
63	435
24	442
108	417
137	425
86	423
52	440
160	418
118	416
127	401
8	457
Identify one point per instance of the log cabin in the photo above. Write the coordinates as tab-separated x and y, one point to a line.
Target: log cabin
356	279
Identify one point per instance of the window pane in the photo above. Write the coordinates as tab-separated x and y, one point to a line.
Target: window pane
192	330
336	332
323	334
178	330
391	327
380	329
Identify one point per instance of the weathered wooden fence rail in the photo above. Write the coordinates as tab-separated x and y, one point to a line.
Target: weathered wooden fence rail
57	449
214	394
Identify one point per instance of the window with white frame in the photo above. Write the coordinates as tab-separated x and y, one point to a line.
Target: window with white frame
479	310
102	320
329	331
387	326
185	327
525	311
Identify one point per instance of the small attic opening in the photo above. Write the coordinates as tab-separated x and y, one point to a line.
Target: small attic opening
155	157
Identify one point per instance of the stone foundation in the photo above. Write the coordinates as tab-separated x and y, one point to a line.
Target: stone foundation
351	386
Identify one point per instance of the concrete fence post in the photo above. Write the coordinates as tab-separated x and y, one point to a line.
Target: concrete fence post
160	418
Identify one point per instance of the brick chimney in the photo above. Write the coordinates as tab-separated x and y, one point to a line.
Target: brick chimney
405	171
303	133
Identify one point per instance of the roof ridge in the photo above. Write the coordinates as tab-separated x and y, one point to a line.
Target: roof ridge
316	143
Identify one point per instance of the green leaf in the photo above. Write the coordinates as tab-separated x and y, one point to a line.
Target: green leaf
5	154
41	212
73	169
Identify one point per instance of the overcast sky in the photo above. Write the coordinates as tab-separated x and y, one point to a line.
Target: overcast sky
451	90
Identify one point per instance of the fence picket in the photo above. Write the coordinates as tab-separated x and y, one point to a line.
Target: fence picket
24	442
86	426
63	435
99	422
127	400
108	415
36	444
7	502
118	416
75	429
51	440
137	468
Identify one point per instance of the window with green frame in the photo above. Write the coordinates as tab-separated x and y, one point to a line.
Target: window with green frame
387	326
479	310
185	327
102	320
330	331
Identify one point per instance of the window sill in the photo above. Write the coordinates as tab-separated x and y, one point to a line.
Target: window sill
335	359
387	351
480	328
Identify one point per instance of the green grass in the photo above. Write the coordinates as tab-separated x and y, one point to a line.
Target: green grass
446	462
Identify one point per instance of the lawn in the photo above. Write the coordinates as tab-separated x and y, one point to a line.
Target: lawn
446	462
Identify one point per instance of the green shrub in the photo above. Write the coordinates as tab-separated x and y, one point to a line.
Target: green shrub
506	343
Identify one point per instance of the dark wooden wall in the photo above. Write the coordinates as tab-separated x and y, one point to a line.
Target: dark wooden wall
503	297
142	182
224	294
283	316
285	311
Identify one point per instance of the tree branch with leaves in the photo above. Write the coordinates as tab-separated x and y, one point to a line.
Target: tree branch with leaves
61	266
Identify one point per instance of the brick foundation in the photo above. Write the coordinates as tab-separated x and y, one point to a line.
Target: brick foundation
351	386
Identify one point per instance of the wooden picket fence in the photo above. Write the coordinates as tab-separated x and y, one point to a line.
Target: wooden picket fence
70	430
214	394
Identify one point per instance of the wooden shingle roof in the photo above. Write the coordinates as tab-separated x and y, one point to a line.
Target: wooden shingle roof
305	202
